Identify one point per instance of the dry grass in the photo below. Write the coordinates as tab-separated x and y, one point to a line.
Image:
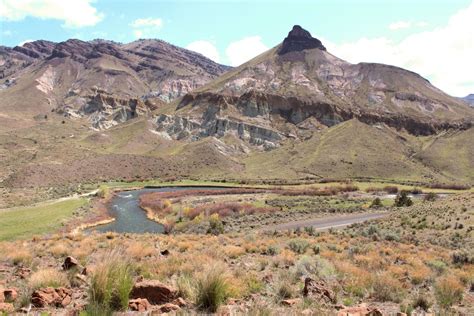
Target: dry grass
48	277
138	250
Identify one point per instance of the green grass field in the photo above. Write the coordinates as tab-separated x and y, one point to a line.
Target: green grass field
24	222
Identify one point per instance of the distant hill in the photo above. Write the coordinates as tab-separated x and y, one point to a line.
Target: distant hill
469	99
104	81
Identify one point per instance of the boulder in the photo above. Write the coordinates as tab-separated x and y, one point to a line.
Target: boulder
60	297
318	290
361	310
154	291
6	308
9	295
70	263
139	305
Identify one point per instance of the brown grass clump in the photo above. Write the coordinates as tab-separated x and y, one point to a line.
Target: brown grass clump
48	278
233	251
138	250
59	250
20	256
448	291
387	288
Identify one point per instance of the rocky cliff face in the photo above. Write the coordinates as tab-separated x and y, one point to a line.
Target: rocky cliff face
63	77
298	87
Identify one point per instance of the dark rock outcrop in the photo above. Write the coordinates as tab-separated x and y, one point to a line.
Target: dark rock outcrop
299	39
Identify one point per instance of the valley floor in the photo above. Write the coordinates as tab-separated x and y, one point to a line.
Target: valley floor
412	259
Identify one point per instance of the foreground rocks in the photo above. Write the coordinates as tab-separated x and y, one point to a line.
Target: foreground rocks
361	310
154	291
60	297
318	290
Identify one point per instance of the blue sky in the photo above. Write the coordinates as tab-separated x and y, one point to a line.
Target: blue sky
232	31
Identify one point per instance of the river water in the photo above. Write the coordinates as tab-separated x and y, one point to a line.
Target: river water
130	217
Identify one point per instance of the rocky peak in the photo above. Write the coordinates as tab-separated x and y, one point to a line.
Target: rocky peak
299	39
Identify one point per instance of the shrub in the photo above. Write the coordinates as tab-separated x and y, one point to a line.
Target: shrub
463	257
48	278
391	189
103	192
212	289
376	203
448	290
272	250
216	227
437	265
386	288
430	197
284	290
111	283
403	199
298	245
421	301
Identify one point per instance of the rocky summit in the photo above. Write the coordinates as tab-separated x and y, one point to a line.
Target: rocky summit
299	39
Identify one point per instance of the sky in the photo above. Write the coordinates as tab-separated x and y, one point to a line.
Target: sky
433	38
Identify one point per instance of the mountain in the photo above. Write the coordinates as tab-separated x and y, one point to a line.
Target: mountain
469	99
299	86
294	112
103	81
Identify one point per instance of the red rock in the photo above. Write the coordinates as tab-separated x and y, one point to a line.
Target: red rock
7	308
361	310
10	295
318	290
23	273
179	301
60	297
2	297
154	291
168	307
291	302
139	305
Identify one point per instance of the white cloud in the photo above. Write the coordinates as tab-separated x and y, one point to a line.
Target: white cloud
399	25
74	13
147	27
25	41
245	49
443	55
205	48
7	33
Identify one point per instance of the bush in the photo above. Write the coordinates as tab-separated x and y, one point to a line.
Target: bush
216	227
421	301
111	283
298	245
391	189
430	197
213	288
402	199
386	288
376	203
448	291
